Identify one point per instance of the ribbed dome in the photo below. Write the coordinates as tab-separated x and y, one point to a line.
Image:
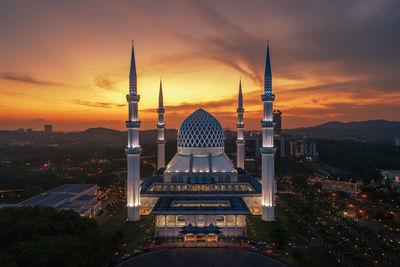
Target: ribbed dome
200	129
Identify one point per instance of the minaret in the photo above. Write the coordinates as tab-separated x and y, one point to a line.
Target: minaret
160	131
240	142
133	149
267	150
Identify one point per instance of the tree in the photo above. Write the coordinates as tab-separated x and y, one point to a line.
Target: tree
279	235
43	236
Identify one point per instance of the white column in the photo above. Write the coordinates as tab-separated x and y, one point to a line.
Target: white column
160	139
133	151
240	146
267	157
240	142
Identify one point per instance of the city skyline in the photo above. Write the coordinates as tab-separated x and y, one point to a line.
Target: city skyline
73	73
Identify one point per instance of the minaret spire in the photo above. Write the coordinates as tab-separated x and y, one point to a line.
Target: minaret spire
132	74
160	131
160	96
268	74
268	149
240	97
240	142
133	149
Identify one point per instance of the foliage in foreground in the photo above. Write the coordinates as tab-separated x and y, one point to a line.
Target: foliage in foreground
43	236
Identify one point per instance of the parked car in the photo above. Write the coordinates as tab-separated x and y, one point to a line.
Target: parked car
126	256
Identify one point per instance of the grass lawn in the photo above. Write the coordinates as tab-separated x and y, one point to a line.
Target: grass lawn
259	230
117	222
311	257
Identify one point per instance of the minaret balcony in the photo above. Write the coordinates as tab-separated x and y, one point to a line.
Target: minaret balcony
160	126
132	98
240	125
268	150
267	124
133	150
268	97
160	110
240	142
240	110
132	124
160	142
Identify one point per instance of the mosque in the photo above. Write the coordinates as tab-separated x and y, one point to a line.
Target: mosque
200	194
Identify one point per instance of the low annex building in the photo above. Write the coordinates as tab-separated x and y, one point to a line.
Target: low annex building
81	198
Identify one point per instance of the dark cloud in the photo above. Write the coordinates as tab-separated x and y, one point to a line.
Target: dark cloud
323	38
104	83
98	104
27	79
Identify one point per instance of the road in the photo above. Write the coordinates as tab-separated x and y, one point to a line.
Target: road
183	257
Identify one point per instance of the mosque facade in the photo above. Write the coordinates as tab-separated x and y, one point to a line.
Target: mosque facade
200	194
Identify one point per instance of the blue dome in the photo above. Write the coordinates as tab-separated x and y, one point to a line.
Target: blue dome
200	129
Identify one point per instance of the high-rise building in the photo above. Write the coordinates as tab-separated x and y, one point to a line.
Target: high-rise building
277	118
304	147
48	128
133	149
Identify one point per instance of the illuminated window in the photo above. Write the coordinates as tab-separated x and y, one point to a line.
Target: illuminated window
170	220
160	220
230	220
220	220
201	220
241	220
180	220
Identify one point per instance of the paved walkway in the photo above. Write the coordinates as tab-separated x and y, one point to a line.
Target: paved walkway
183	257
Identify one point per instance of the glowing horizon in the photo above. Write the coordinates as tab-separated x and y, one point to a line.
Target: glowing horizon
73	73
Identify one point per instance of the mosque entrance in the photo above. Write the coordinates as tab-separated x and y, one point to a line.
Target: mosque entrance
200	236
190	240
200	240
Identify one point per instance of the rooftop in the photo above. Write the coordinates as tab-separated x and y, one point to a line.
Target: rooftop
246	185
79	197
200	205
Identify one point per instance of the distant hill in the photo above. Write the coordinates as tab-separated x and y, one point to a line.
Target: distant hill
366	131
92	136
145	136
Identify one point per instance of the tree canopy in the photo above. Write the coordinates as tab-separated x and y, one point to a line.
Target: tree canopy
43	236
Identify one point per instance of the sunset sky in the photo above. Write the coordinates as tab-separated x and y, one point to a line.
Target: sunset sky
67	62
